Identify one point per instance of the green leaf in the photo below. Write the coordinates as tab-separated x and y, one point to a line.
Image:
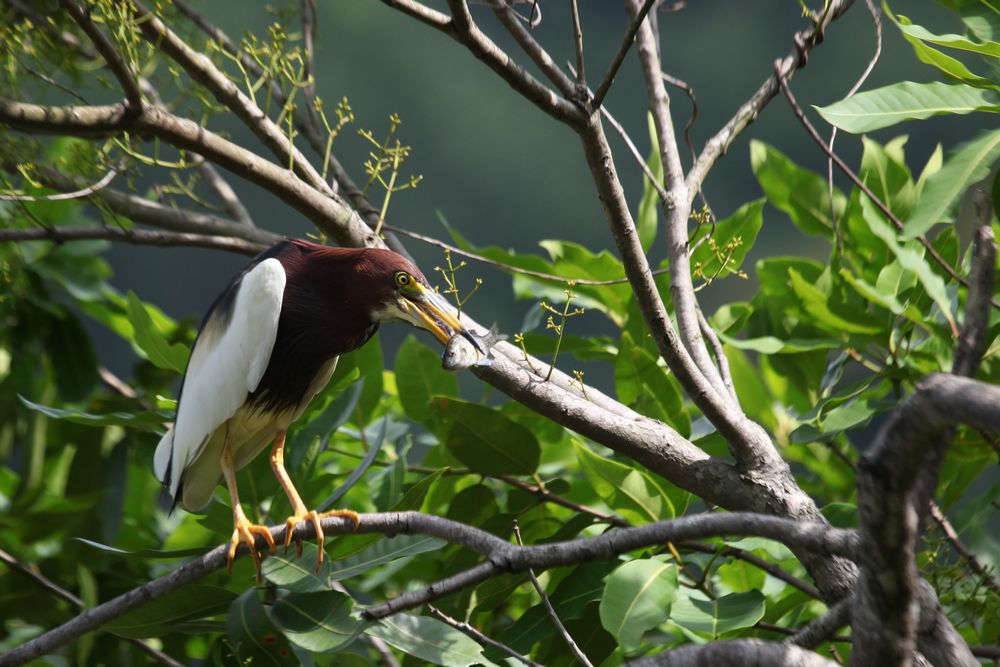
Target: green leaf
146	553
731	240
151	340
486	440
158	617
910	258
382	552
818	305
773	345
252	636
145	421
841	515
317	622
729	612
918	36
626	490
803	195
418	377
649	205
298	573
908	28
637	597
943	192
882	107
429	639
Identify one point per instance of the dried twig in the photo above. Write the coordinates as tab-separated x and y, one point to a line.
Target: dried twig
467	629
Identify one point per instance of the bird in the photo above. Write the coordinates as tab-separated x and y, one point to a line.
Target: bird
267	345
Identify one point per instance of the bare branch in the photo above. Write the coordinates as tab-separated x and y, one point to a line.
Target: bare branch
825	627
805	41
467	629
952	536
547	603
309	20
535	51
422	13
502	556
581	76
616	63
133	236
720	353
756	652
677	209
110	54
63	594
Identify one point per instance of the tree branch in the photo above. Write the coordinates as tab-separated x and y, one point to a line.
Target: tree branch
539	55
502	557
756	652
826	626
756	561
333	217
885	615
133	236
635	21
470	631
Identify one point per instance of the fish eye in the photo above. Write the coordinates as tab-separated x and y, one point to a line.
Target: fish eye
403	279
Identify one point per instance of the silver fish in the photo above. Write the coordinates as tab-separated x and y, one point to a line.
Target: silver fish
468	349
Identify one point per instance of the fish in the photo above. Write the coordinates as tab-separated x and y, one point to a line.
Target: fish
468	349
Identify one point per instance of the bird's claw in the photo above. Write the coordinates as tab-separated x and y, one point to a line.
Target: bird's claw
244	531
314	517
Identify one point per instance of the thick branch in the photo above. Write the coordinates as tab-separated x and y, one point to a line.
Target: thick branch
756	652
502	555
888	591
133	236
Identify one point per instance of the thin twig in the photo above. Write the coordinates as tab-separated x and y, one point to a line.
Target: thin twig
616	62
63	594
475	634
720	353
87	191
800	115
877	21
563	632
952	536
822	628
756	561
512	22
309	21
581	77
508	267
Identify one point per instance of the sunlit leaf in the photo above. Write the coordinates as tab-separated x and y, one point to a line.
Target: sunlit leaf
728	612
628	491
170	356
803	195
146	421
882	107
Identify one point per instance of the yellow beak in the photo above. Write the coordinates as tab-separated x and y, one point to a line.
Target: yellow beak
433	313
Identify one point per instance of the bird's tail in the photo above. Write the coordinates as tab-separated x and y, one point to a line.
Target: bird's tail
163	467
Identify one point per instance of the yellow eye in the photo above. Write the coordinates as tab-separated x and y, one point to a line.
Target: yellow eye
403	279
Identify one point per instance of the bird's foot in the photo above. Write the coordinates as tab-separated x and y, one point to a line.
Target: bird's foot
314	517
244	531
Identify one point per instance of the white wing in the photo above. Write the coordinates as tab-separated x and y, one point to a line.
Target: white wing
228	362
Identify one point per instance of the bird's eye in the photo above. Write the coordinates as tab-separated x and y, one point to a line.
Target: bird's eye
403	279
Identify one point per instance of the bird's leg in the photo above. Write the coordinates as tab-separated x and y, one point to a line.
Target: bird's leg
243	530
299	511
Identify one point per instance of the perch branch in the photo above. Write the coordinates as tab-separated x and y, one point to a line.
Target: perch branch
502	557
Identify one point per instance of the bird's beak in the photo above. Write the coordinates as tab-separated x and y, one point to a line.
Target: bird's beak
432	313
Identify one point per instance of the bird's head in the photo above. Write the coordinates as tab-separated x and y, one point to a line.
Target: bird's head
404	294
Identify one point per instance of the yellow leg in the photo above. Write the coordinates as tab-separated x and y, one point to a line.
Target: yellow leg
243	530
299	511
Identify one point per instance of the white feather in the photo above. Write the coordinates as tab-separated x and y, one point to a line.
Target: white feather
224	367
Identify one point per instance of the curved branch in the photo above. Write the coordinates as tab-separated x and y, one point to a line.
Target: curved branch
755	652
502	556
